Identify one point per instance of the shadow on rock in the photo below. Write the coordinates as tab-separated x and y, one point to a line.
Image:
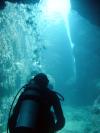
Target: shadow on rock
3	2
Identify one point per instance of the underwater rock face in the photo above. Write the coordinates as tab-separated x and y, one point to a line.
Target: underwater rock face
20	48
89	9
3	2
87	56
24	1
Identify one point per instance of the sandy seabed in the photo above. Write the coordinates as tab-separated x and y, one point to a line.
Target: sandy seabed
81	120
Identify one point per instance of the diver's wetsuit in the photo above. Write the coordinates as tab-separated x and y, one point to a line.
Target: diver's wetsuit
46	122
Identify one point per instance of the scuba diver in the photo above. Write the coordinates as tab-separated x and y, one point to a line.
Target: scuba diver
38	109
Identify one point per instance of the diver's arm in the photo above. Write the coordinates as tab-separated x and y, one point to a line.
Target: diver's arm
58	113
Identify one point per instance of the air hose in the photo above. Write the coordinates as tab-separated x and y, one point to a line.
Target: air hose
61	98
12	107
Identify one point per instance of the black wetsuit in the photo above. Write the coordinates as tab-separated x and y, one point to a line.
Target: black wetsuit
46	121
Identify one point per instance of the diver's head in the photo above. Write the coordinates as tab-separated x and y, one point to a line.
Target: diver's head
41	80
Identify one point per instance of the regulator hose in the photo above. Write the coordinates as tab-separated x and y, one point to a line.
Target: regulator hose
61	98
12	107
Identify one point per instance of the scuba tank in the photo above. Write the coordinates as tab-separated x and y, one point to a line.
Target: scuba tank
29	110
26	111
